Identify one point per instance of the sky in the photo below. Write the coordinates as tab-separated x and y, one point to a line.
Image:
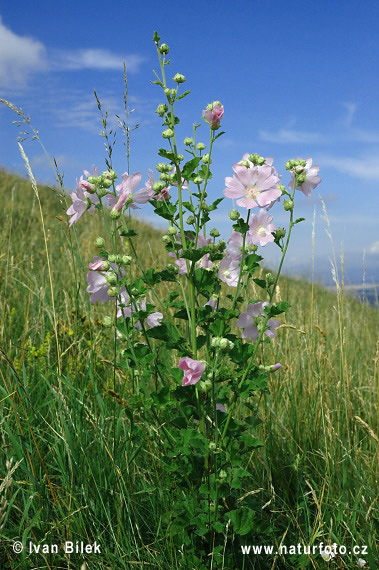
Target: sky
297	79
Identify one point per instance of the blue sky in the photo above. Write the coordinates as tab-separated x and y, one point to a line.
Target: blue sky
295	79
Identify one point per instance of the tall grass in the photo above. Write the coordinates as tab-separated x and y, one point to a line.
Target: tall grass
77	465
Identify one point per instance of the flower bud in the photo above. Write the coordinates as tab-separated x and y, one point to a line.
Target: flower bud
112	292
109	174
214	232
299	169
164	177
180	157
187	141
168	134
205	386
234	215
126	259
212	446
164	49
107	322
198	180
215	342
253	247
134	291
280	233
114	214
190	220
222	474
99	242
173	268
172	231
106	183
92	179
158	186
166	239
111	279
179	78
301	178
161	109
270	278
206	159
200	146
167	91
226	344
288	205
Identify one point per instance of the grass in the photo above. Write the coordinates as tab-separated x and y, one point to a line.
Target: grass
77	465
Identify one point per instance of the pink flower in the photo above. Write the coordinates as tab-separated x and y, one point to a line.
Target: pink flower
312	178
97	282
81	201
125	192
213	115
261	228
252	318
229	269
193	370
257	185
152	320
164	194
203	262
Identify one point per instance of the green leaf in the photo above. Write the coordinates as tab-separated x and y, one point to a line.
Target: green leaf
261	282
195	254
182	95
252	262
242	520
298	220
189	167
203	281
241	226
274	310
128	233
167	154
190	207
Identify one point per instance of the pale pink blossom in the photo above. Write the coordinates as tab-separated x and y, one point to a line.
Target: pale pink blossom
164	194
213	114
252	317
151	320
312	179
193	370
81	201
254	186
229	269
97	282
261	228
125	192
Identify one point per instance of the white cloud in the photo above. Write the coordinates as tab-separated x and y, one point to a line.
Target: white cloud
101	59
19	57
374	247
291	136
366	168
350	108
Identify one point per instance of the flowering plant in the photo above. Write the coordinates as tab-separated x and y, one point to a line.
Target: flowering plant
190	356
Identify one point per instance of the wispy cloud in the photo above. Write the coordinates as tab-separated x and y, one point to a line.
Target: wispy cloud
20	56
365	167
374	248
285	136
100	59
350	112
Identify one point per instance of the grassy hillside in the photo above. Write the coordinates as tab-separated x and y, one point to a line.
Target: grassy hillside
86	468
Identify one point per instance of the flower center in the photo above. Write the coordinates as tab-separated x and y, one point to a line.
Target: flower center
261	231
252	193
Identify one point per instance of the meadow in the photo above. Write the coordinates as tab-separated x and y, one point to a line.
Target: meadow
77	464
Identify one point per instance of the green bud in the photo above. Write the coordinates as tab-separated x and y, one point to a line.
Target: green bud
112	258
111	279
179	78
190	220
164	49
107	322
172	231
234	215
280	232
212	446
164	177
112	292
253	247
167	91
114	214
99	242
92	179
200	146
215	342
206	159
126	259
180	157
161	109
198	180
106	183
134	291
226	344
270	279
205	386
109	174
301	178
168	134
106	265
172	267
222	474
245	163
288	205
299	169
187	141
214	232
158	186
166	239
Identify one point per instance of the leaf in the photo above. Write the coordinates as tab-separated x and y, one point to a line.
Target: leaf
241	226
298	220
203	281
195	254
189	167
242	520
169	154
261	282
182	95
274	310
